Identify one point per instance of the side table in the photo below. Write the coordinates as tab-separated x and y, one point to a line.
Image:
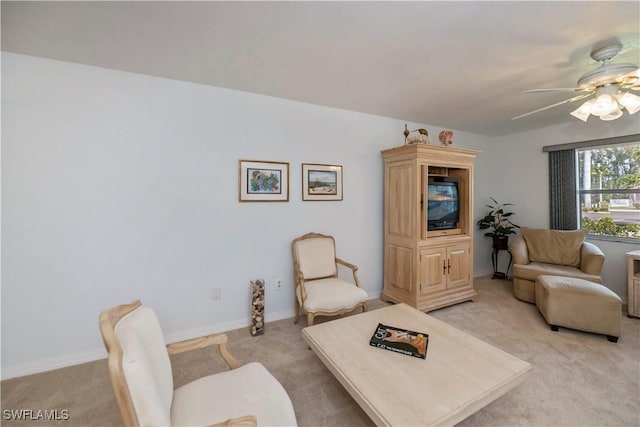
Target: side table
494	259
633	283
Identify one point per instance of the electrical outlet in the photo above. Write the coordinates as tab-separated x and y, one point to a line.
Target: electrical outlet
216	293
278	284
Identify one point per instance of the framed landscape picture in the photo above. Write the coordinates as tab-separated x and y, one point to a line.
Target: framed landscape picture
321	182
263	181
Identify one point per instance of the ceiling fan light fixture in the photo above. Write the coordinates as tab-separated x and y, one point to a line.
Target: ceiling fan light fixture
604	105
584	111
607	87
629	101
613	115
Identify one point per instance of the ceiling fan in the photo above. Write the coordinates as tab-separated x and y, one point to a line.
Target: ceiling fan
610	83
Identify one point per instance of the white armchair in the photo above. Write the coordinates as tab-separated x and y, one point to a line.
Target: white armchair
142	380
319	290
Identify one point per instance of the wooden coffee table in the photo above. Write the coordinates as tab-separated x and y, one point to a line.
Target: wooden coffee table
460	375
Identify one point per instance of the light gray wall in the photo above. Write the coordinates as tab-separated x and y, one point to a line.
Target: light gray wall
118	186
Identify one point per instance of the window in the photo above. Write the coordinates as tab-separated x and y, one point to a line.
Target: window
609	190
595	185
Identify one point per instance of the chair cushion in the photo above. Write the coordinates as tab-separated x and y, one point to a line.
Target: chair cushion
330	295
554	246
316	257
146	366
247	390
533	270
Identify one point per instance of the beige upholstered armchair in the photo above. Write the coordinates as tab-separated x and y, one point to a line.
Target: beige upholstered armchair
319	291
142	379
539	252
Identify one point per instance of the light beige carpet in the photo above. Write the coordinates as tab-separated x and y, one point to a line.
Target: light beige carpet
578	379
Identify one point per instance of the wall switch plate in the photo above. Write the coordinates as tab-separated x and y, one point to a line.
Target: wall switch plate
216	293
278	284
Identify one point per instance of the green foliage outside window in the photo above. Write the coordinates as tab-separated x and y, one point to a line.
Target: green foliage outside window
607	226
609	190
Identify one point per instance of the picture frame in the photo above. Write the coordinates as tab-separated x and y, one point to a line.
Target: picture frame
263	181
321	182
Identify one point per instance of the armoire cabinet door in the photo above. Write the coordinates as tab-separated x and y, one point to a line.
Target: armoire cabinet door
433	270
458	265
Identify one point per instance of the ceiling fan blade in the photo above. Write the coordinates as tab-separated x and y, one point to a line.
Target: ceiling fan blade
633	74
566	101
631	85
555	89
631	80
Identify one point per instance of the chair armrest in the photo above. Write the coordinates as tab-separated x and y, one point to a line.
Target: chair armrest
193	344
591	259
347	264
353	267
245	421
518	249
299	277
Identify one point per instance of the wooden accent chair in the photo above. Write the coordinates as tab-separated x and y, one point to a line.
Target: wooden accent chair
318	290
142	380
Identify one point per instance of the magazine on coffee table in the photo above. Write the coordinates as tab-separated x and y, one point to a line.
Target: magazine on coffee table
400	340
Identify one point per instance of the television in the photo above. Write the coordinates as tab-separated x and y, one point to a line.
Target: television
443	203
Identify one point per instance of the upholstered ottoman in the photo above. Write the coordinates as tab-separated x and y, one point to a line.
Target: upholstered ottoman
578	304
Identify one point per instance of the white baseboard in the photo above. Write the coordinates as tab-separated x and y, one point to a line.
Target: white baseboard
64	361
49	364
224	327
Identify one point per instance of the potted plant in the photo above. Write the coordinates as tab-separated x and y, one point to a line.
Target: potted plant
499	224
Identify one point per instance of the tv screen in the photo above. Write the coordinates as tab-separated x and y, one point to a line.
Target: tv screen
443	203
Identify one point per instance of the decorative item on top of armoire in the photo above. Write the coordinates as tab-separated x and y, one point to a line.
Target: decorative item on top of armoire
421	138
257	307
497	220
445	137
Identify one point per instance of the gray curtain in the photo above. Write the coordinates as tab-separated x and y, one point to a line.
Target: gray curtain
562	189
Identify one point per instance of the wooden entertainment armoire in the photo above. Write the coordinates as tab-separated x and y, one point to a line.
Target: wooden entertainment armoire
426	269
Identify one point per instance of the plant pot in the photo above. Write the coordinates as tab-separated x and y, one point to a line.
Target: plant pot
501	243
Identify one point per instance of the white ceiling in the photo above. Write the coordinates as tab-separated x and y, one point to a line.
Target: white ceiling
460	65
